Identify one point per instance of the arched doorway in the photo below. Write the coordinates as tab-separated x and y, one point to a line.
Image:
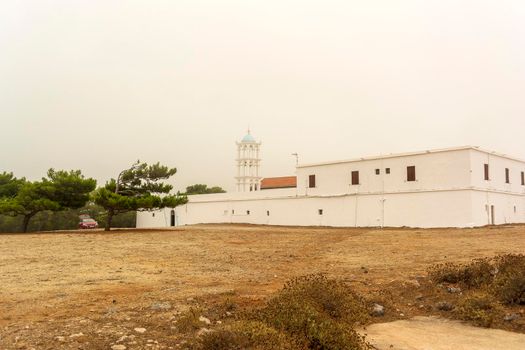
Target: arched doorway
172	221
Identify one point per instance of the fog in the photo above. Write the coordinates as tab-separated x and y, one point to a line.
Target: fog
96	85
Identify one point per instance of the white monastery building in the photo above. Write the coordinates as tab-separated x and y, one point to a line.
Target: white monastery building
454	187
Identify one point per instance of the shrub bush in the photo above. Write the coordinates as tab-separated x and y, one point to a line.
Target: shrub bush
319	310
509	283
247	335
476	274
310	312
189	321
480	308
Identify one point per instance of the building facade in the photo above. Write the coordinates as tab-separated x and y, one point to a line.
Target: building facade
456	187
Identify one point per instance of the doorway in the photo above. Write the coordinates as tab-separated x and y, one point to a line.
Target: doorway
172	218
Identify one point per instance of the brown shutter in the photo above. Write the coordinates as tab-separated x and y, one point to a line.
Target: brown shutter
486	168
355	177
311	181
411	173
507	177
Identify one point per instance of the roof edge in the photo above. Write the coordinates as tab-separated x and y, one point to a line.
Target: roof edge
406	154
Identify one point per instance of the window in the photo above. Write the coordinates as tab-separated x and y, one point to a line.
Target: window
486	169
233	212
507	176
377	171
311	181
320	211
153	214
411	173
355	177
247	212
387	170
267	213
523	178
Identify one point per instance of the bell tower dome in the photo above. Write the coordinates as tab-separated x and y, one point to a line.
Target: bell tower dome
248	164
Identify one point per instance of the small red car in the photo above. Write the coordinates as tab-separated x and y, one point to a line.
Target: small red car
87	223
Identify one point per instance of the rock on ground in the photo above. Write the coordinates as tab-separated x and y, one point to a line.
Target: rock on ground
377	310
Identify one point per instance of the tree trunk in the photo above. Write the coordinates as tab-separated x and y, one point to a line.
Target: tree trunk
111	212
25	222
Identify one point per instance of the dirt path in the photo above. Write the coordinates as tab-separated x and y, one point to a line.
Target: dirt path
431	333
56	284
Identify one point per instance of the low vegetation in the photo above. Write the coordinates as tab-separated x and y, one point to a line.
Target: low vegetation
490	287
310	312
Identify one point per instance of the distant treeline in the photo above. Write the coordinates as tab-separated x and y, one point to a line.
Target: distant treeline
65	220
57	201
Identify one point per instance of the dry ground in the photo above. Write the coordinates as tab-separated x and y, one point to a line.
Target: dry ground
93	288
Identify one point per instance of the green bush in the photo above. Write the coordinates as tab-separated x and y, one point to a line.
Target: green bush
189	321
476	274
479	308
246	335
310	312
320	311
503	276
509	283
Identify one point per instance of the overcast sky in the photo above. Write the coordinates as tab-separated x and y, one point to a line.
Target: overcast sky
95	85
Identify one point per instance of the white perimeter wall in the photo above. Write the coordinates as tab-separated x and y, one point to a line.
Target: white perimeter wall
427	209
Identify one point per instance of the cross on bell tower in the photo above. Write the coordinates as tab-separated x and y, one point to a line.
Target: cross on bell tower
248	164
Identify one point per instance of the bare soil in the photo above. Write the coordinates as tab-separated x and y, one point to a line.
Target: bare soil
90	290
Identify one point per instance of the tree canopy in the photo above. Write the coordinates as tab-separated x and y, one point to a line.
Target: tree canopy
61	190
203	189
137	189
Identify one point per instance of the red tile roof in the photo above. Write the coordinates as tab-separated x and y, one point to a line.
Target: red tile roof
279	182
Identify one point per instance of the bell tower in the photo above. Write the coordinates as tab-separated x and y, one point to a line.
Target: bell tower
248	164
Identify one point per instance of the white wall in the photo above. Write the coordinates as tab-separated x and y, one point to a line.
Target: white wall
425	209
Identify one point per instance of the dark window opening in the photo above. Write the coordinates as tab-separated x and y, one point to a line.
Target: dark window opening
153	214
507	175
311	181
267	213
377	171
411	173
172	218
523	178
387	170
355	177
320	211
247	212
486	170
233	211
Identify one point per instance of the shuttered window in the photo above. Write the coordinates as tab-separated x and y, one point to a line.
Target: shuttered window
523	178
411	173
507	176
355	177
311	181
486	169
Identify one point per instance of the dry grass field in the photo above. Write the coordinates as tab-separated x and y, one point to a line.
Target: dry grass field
88	290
